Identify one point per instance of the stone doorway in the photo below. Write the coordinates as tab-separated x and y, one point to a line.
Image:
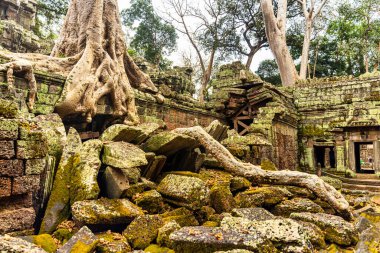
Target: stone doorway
325	156
364	157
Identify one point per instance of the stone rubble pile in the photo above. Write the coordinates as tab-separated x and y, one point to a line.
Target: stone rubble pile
144	189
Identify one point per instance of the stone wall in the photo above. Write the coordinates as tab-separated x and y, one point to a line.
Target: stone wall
176	111
22	12
338	113
16	21
27	161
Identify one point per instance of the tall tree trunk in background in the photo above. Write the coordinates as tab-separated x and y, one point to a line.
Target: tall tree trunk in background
310	14
306	48
251	54
275	28
206	76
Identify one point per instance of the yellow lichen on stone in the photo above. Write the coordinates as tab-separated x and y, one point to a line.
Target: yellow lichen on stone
268	165
46	242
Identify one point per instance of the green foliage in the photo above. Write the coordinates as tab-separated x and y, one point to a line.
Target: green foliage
352	38
243	27
268	71
153	38
50	14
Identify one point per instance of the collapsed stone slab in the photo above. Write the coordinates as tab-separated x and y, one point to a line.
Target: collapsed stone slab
168	143
105	211
83	241
184	191
208	240
130	134
123	155
369	241
296	205
336	229
18	245
263	196
283	233
253	214
86	165
58	207
143	230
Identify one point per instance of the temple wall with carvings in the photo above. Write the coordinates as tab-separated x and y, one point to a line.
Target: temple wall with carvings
336	116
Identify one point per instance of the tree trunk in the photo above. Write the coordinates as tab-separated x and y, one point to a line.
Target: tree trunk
206	77
92	53
312	182
251	54
275	31
249	61
306	47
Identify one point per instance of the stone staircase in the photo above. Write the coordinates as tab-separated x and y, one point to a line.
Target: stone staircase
368	182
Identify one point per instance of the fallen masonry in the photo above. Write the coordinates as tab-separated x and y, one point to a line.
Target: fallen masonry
222	176
101	201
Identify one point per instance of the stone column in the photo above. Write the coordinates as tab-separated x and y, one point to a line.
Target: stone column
351	155
309	157
340	158
376	154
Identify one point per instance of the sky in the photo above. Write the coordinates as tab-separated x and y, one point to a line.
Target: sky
263	54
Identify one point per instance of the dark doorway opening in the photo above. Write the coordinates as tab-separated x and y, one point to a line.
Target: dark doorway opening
320	156
364	157
325	157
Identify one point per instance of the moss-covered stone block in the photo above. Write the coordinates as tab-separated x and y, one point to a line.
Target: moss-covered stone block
184	191
239	184
105	211
335	228
47	99
221	198
8	129
112	243
123	155
143	230
84	241
58	207
208	240
268	165
168	143
165	231
262	196
46	242
9	109
84	172
296	205
130	134
31	149
182	216
153	248
151	201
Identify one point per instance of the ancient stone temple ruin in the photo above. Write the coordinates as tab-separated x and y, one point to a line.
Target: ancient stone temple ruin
17	18
227	175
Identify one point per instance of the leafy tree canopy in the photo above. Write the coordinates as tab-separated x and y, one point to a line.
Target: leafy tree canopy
268	71
50	14
153	38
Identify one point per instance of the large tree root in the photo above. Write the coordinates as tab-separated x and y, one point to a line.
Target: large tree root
24	67
91	52
254	173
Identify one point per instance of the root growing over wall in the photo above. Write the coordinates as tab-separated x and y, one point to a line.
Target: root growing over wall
254	173
92	53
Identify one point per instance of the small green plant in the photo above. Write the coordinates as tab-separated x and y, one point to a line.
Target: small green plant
378	174
350	174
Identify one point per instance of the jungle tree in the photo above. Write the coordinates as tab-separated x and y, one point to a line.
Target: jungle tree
153	37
